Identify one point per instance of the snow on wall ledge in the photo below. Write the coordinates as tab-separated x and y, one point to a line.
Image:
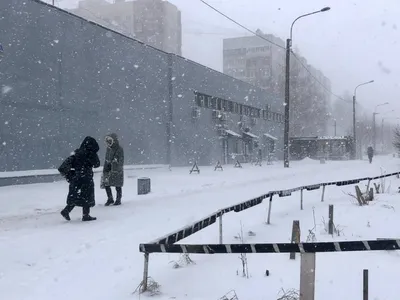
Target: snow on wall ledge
63	78
52	175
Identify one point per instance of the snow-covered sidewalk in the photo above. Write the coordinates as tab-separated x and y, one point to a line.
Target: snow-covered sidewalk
44	257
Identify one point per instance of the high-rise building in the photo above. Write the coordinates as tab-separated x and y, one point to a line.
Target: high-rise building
154	22
253	59
259	62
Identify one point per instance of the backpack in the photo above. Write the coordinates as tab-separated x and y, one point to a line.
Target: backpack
67	169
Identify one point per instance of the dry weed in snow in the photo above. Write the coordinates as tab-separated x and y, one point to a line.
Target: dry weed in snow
291	294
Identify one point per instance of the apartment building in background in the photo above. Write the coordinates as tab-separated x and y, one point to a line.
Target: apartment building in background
154	22
253	59
261	63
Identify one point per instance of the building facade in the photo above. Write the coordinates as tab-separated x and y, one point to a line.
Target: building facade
63	78
154	22
261	63
254	60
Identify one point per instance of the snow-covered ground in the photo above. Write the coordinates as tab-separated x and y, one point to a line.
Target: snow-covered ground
44	257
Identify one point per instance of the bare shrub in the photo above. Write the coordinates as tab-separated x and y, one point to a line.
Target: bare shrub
243	257
337	229
291	294
153	288
311	232
184	260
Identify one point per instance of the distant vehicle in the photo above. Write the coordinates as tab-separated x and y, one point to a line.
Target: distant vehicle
332	148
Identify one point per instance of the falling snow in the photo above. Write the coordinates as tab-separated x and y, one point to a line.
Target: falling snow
6	89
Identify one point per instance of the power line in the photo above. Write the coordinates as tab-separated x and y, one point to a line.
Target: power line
275	44
244	27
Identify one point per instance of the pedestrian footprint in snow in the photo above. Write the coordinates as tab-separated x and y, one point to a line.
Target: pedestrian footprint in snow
113	171
78	171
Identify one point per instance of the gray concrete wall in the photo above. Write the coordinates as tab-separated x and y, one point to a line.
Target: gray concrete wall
70	78
62	78
198	139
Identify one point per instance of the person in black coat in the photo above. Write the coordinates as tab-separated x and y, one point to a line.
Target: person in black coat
113	171
370	152
78	171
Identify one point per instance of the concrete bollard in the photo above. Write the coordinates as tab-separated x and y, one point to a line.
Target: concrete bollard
144	186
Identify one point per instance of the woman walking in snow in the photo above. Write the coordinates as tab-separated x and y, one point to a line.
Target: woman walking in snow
113	172
78	171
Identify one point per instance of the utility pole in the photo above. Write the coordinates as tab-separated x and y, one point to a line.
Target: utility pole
382	139
354	150
335	128
374	128
287	111
287	88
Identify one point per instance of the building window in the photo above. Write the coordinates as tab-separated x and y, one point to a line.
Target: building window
230	106
213	103
219	104
235	108
208	102
224	105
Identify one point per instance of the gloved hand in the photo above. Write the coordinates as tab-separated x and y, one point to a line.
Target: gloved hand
107	167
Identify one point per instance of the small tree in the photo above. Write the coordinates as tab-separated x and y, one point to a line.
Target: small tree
396	139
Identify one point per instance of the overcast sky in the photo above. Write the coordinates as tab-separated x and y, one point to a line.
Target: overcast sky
354	42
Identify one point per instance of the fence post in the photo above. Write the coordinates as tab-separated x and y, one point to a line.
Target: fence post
220	227
145	272
330	225
323	193
301	199
369	183
307	276
295	236
269	209
365	284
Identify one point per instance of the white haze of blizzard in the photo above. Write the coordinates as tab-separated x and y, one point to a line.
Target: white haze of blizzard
347	43
44	257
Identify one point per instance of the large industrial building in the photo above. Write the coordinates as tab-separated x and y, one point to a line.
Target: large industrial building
63	77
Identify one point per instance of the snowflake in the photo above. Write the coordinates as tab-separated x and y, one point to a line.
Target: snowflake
6	89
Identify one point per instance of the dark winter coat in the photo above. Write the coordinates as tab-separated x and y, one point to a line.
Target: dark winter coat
78	170
370	152
113	172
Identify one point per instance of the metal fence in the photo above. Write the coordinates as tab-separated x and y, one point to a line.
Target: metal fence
166	244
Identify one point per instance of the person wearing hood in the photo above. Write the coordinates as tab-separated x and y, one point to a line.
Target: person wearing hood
113	171
370	153
77	169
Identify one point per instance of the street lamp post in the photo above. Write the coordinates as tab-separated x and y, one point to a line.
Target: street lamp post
334	124
374	122
382	132
287	88
354	150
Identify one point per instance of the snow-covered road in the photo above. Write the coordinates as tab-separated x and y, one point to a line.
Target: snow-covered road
44	257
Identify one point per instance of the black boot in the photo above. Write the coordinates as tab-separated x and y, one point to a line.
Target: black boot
119	196
109	202
65	214
86	214
110	199
87	218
